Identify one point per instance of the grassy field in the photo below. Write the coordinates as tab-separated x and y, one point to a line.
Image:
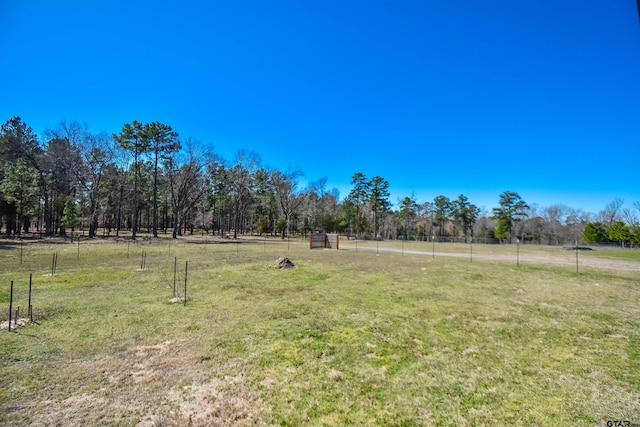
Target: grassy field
494	249
346	338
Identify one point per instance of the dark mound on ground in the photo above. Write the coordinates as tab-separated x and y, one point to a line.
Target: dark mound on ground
283	262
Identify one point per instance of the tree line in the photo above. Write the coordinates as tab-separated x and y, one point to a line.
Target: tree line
145	178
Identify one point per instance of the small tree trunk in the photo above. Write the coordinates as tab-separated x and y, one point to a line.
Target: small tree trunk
155	197
176	225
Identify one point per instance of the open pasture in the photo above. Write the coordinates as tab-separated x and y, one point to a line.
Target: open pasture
348	337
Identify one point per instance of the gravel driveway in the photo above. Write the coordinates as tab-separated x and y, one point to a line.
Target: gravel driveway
565	258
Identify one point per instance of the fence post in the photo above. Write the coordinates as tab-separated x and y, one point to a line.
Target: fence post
54	264
30	308
175	287
186	266
433	249
10	305
577	272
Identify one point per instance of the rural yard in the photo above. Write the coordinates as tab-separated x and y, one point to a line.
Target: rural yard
421	213
376	333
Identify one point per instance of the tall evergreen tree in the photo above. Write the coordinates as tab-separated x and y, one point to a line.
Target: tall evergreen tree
407	214
359	194
378	199
17	141
160	140
19	187
466	215
133	139
442	212
512	209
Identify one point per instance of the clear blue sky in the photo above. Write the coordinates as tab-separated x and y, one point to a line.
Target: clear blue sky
438	97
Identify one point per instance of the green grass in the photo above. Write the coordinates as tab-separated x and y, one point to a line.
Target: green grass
345	338
617	253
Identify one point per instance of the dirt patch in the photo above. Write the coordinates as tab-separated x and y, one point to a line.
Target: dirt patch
15	323
283	262
152	386
616	336
209	403
199	404
267	381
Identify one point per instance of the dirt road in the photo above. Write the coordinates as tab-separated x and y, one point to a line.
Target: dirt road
567	258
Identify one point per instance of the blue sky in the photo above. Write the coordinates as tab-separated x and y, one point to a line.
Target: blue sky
438	97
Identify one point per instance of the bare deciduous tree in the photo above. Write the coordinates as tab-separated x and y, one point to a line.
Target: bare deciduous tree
285	188
611	212
187	181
